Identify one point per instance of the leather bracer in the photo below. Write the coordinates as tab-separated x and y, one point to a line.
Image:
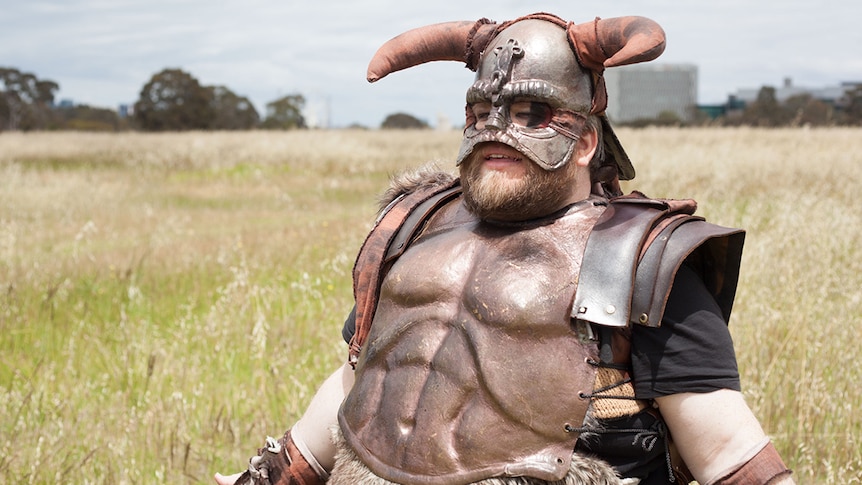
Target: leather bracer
280	463
765	468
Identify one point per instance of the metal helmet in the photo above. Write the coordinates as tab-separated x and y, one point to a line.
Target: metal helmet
539	58
530	60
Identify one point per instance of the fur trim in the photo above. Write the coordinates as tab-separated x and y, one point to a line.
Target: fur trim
408	181
585	470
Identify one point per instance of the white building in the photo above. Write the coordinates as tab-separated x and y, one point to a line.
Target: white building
643	91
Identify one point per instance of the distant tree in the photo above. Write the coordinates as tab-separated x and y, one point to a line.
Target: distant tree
664	118
804	109
403	121
668	118
699	117
851	107
231	111
285	113
25	100
765	110
174	100
87	118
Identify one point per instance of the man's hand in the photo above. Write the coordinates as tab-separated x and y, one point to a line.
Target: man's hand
315	424
226	480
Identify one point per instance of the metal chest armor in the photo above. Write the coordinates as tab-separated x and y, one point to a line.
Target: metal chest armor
472	367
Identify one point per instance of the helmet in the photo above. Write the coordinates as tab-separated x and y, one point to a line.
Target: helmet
552	65
530	63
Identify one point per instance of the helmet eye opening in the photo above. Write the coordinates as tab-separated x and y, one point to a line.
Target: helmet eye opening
520	113
531	114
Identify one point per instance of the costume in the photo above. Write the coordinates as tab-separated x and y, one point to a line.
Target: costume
502	344
563	360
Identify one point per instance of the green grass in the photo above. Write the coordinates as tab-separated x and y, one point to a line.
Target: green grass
167	301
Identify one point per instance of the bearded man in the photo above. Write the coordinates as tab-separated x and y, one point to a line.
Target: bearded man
526	323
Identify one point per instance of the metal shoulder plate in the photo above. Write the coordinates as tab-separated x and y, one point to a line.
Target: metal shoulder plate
634	252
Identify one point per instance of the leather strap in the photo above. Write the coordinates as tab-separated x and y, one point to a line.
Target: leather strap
389	237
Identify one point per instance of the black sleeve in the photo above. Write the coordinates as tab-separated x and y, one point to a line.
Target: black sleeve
349	326
691	351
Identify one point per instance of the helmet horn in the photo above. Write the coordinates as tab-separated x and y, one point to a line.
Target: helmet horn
448	41
616	41
598	44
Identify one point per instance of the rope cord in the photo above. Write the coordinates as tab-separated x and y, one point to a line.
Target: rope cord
647	438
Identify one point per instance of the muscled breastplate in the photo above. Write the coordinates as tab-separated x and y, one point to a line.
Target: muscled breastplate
472	367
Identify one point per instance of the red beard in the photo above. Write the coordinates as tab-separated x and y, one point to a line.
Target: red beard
495	195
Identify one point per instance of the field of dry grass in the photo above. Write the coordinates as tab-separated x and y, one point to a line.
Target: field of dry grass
166	301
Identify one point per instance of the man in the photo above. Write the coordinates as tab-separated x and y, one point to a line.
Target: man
515	326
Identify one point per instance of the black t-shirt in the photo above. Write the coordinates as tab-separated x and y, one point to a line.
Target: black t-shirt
691	351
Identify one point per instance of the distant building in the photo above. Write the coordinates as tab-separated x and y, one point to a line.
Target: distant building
125	110
645	91
443	123
317	111
835	96
828	94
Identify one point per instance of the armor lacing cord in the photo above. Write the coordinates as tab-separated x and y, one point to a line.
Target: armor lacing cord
646	437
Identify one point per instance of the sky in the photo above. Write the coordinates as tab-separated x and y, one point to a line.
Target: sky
102	52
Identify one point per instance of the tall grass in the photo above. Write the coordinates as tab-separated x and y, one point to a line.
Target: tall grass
166	301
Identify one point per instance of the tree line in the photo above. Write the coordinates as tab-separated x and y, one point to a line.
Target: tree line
767	111
172	100
799	110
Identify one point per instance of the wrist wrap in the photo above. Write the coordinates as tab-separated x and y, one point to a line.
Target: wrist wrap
280	463
765	468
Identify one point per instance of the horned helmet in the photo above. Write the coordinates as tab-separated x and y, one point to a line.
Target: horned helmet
552	68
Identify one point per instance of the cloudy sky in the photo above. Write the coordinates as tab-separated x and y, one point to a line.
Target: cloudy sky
102	52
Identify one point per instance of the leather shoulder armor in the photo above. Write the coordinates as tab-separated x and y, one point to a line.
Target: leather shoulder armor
634	252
